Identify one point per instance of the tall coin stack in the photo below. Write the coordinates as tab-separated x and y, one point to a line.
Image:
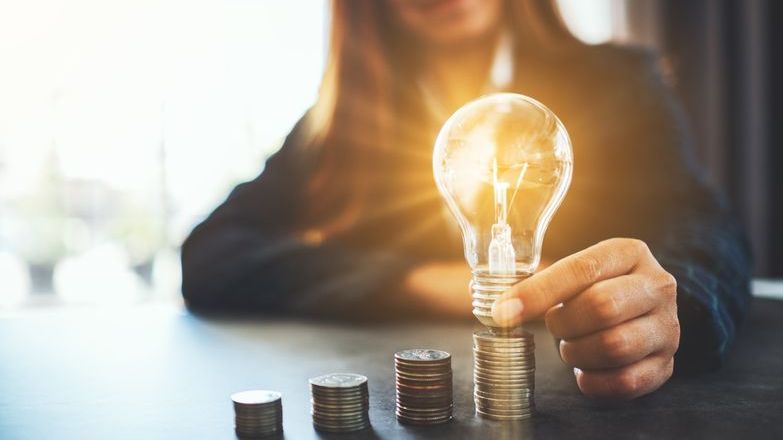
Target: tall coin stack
340	402
424	386
504	374
257	413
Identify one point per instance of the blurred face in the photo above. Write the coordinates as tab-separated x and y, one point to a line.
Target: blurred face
447	22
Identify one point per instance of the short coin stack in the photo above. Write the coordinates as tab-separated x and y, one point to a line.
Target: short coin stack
340	402
257	413
504	374
424	386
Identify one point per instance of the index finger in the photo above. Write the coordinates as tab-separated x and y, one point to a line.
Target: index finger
564	279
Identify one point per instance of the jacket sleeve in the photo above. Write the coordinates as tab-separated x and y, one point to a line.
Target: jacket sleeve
687	224
244	256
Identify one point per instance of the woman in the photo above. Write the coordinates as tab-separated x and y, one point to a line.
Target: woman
345	219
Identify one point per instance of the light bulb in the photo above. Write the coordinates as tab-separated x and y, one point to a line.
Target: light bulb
503	163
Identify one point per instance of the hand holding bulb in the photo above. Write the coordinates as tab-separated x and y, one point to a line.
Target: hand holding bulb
613	307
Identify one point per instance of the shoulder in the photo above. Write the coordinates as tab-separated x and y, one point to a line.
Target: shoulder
610	77
631	64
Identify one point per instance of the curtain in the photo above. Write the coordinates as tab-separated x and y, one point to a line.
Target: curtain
727	65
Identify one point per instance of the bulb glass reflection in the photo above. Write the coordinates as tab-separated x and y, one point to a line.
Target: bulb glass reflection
503	163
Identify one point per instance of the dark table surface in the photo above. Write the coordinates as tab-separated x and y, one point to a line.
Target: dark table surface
160	373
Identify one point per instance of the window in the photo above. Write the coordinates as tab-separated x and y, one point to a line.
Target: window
123	123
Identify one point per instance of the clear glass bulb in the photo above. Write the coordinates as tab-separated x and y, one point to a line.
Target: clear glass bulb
503	163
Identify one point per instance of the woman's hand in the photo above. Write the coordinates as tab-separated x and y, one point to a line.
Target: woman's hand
442	288
614	309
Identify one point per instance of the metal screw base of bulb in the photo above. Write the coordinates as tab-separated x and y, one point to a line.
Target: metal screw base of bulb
485	289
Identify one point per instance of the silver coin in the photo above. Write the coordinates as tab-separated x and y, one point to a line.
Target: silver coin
494	380
502	404
347	424
502	412
338	407
433	396
339	399
422	365
490	374
340	402
424	400
257	434
498	387
269	428
416	392
504	343
499	383
339	392
257	426
421	384
507	351
256	397
492	416
340	421
415	418
250	433
423	420
423	380
247	415
338	380
258	408
494	360
340	414
509	363
504	366
424	417
510	333
503	377
510	395
423	377
422	355
336	398
424	409
508	371
503	336
267	423
258	418
330	429
500	366
338	429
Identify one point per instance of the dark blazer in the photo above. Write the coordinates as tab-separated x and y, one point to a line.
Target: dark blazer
634	176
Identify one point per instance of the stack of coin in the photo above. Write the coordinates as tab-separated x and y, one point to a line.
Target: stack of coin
504	374
424	386
258	413
340	402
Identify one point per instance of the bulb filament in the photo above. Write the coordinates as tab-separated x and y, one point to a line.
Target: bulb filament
501	250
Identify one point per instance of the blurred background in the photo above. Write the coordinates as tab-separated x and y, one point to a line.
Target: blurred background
123	123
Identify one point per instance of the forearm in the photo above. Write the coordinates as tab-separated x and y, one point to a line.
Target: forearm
240	269
441	288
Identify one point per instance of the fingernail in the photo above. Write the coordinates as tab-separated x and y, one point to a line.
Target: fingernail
507	311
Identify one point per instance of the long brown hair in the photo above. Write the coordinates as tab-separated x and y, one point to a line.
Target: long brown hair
368	60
